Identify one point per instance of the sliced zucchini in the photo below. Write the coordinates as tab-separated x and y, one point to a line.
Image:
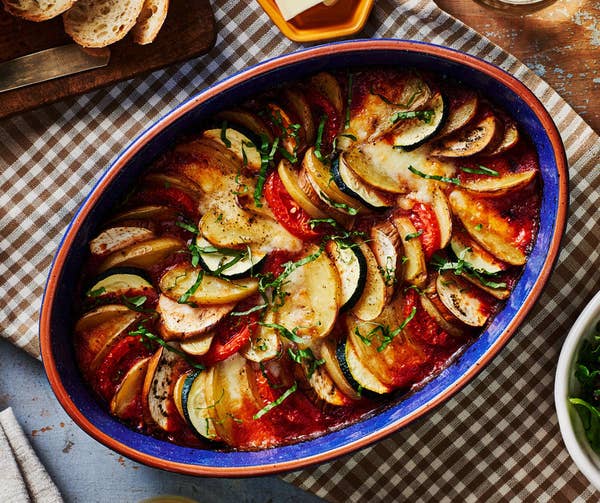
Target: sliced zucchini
349	183
411	133
342	379
312	297
374	293
415	268
500	186
323	183
129	388
461	301
228	226
197	346
182	321
238	143
157	390
472	139
143	255
323	384
119	281
178	392
265	343
359	372
487	227
385	244
351	266
476	256
198	403
117	238
183	278
101	314
463	104
327	85
289	178
214	261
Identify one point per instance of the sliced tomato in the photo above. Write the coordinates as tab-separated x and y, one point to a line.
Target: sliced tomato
120	358
233	332
171	197
322	107
287	212
423	218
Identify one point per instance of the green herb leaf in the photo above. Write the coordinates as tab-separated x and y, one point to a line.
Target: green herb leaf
306	356
265	160
455	181
137	301
185	297
188	227
319	141
260	307
482	170
277	402
224	138
422	115
341	206
285	332
95	293
413	235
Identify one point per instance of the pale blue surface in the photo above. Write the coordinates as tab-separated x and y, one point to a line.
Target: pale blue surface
86	471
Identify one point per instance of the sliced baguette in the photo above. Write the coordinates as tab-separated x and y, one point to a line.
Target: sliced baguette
37	10
150	21
98	23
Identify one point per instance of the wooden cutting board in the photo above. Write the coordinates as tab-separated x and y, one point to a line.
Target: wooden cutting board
188	32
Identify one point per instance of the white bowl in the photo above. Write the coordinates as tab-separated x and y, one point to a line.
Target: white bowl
566	386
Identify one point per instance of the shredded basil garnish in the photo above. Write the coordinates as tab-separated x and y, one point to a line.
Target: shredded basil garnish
265	160
410	101
455	181
277	402
188	227
341	206
95	293
423	115
291	335
319	141
224	138
307	357
185	297
147	336
463	267
413	235
260	307
385	334
481	170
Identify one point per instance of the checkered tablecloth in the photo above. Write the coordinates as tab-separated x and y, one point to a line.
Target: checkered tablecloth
498	438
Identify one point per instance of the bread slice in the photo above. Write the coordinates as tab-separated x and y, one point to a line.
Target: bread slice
150	21
98	23
37	10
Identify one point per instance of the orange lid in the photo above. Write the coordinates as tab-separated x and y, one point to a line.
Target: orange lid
321	22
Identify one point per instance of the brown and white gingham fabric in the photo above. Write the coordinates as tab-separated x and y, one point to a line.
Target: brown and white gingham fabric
498	438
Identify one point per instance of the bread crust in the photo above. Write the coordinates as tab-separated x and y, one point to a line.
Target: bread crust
33	11
150	21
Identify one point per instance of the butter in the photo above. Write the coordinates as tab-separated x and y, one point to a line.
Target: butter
291	8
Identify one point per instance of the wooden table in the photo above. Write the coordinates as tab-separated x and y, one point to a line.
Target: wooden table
560	43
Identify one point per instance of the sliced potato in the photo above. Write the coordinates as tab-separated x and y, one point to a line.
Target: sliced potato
117	238
144	254
176	180
211	290
328	86
151	212
324	386
265	343
290	181
313	297
197	346
441	208
446	320
101	314
500	186
325	186
415	268
247	119
182	321
466	248
301	109
462	108
472	139
238	143
374	294
332	364
129	388
461	300
486	226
